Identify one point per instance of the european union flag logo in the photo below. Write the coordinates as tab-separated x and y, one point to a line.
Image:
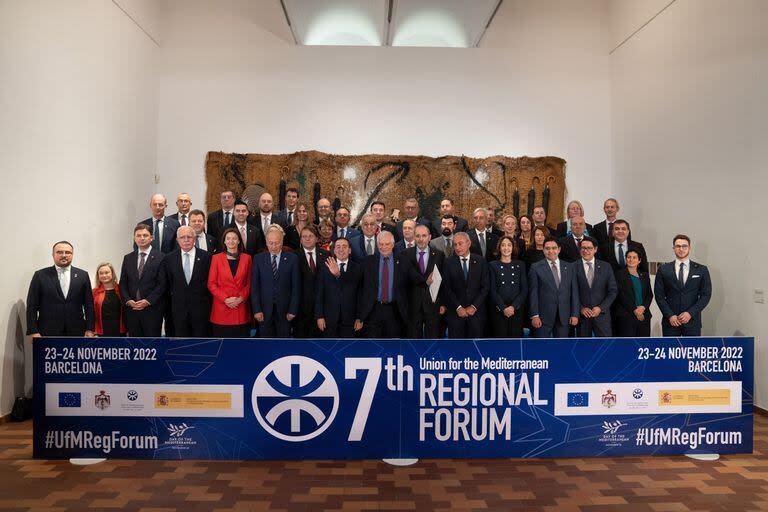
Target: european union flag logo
580	399
69	399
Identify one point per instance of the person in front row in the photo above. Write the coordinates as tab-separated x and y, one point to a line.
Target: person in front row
186	273
508	290
553	295
597	291
107	306
683	289
424	314
383	310
229	281
466	290
311	260
142	277
60	300
337	293
275	286
632	309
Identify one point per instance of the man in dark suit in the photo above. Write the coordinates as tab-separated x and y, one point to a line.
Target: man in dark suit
539	217
483	242
337	293
408	229
275	287
570	245
383	307
423	312
203	240
183	207
311	261
597	291
324	211
288	214
553	294
411	212
163	228
251	234
683	289
446	208
492	227
342	228
223	218
614	251
142	286
60	300
186	273
603	231
444	242
266	216
366	244
466	286
378	210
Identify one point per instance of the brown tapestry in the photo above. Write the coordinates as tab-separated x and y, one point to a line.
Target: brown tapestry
508	185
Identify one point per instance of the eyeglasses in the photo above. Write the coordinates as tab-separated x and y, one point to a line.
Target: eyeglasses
678	246
585	248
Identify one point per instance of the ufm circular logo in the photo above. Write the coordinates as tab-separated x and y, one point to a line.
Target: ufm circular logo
295	398
133	395
637	394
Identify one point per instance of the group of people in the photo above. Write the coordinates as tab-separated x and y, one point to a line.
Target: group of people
285	274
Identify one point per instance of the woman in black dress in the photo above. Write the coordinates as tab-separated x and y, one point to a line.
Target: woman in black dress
536	251
107	306
509	289
293	232
631	310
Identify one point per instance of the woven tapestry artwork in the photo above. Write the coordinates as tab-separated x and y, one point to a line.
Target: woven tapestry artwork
506	184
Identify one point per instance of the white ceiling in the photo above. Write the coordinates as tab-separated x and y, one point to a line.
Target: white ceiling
441	23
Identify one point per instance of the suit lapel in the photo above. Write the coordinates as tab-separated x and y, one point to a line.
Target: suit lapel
53	275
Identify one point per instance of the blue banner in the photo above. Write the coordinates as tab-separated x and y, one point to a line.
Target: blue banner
361	399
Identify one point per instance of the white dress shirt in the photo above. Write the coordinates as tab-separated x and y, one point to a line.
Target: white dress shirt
64	274
686	270
146	258
201	241
192	254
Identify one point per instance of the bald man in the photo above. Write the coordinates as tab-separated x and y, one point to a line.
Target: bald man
266	215
163	228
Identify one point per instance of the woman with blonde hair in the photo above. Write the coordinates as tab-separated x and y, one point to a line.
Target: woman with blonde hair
107	306
575	209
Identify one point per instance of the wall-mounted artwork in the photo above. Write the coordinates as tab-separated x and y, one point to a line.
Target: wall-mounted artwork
507	184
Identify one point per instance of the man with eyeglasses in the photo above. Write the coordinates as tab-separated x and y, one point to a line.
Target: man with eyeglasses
683	289
597	291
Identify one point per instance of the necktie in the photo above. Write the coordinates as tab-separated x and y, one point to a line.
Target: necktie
265	223
197	242
448	246
274	266
156	235
590	273
311	262
226	219
64	282
385	281
578	243
482	243
142	261
555	274
369	246
183	219
680	275
343	233
187	268
290	217
622	262
610	230
243	235
342	265
422	265
465	267
378	229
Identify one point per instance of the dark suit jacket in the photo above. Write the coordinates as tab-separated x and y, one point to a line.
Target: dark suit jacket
309	279
508	287
569	251
349	234
608	254
400	247
370	290
175	217
255	219
152	283
50	313
472	291
213	246
420	221
437	226
562	229
624	306
693	297
337	299
285	293
600	232
419	297
216	226
358	249
168	243
552	304
603	291
491	241
254	239
191	299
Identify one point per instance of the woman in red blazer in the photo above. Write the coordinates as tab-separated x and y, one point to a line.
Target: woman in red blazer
107	306
229	281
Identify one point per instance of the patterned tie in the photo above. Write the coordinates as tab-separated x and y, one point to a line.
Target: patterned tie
183	219
555	274
610	230
369	246
142	261
590	273
422	265
385	281
265	223
681	275
448	246
274	266
311	262
156	235
187	268
243	235
465	267
622	262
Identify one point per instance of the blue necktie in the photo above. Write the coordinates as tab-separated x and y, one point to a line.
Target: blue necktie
465	267
274	266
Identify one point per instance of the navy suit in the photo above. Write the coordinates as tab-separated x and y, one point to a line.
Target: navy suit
569	249
383	320
254	238
420	221
349	233
600	232
674	299
337	299
561	230
49	313
150	286
168	243
400	247
190	304
358	249
216	224
491	241
553	305
602	293
275	298
423	313
607	253
470	291
304	326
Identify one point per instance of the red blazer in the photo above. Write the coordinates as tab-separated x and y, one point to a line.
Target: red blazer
98	301
223	285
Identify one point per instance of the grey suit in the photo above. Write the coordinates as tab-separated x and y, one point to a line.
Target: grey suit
439	245
602	293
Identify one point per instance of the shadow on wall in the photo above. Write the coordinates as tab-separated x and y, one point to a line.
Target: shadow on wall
17	364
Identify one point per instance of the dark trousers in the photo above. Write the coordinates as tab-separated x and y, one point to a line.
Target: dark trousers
469	327
277	326
384	321
556	330
424	322
191	326
147	323
684	330
305	326
504	327
600	326
231	331
631	327
338	330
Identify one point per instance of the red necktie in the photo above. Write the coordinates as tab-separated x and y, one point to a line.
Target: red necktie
385	281
311	263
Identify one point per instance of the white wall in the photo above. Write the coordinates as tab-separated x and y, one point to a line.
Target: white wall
690	99
77	147
538	86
